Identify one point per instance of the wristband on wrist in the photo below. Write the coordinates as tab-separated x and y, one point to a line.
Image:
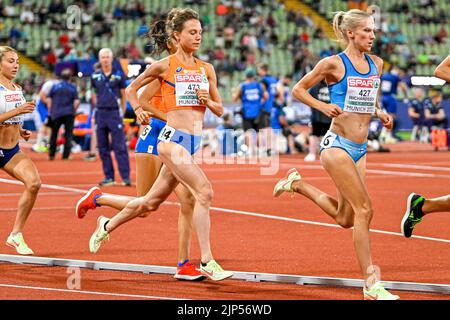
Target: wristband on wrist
137	108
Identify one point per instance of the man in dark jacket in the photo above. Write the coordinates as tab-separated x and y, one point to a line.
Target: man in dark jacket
62	102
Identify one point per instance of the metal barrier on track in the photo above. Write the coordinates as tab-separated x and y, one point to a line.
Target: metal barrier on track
239	275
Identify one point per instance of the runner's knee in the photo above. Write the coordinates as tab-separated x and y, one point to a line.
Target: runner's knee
148	206
346	216
187	202
142	207
364	212
205	194
345	222
33	185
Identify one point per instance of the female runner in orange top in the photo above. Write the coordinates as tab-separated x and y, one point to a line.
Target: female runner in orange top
187	84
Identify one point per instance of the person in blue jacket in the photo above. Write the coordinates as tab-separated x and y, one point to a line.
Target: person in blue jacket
108	85
252	95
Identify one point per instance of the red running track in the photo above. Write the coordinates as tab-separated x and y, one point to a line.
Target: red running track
241	242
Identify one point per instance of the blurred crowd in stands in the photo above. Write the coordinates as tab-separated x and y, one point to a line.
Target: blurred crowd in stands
228	53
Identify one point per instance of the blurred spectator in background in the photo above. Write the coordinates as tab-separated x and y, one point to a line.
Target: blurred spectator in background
57	6
434	111
270	84
15	35
391	81
43	123
221	9
416	112
357	4
27	15
320	123
133	51
283	138
108	88
62	102
143	28
441	35
252	95
10	10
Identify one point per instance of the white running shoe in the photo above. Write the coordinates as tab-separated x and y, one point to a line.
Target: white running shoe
214	271
285	184
99	235
378	292
17	242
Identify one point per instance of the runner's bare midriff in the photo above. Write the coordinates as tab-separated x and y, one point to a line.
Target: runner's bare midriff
189	121
9	135
352	126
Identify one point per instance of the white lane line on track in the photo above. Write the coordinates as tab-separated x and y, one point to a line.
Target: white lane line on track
383	172
417	166
40	208
89	292
260	215
411	166
41	194
267	216
408	174
299	165
369	175
272	180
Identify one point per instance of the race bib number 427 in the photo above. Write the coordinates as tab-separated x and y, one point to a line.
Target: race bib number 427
361	94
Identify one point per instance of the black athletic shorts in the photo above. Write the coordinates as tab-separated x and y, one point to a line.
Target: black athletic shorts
250	124
319	128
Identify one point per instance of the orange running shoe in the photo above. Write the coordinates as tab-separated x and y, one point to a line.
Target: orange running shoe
87	202
188	271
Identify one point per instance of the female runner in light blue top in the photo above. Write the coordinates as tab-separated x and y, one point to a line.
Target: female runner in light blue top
353	77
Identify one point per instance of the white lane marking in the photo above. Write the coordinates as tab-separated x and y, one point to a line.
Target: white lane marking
89	292
413	166
267	216
41	194
39	208
260	215
408	174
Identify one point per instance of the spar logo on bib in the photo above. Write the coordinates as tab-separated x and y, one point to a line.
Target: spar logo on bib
188	78
13	97
369	83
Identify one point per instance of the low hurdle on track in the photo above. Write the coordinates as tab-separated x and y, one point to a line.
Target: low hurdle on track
238	275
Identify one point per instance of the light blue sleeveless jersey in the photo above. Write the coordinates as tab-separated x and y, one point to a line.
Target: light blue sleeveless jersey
364	82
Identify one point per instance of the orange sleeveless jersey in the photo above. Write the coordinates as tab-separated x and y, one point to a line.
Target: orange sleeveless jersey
158	102
176	68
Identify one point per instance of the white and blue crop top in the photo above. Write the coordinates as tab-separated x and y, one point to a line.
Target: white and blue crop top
9	100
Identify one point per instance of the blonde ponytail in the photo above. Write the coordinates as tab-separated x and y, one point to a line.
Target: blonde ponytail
343	21
337	23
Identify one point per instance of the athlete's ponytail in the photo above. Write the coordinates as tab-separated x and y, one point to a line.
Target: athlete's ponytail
337	23
158	37
349	20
